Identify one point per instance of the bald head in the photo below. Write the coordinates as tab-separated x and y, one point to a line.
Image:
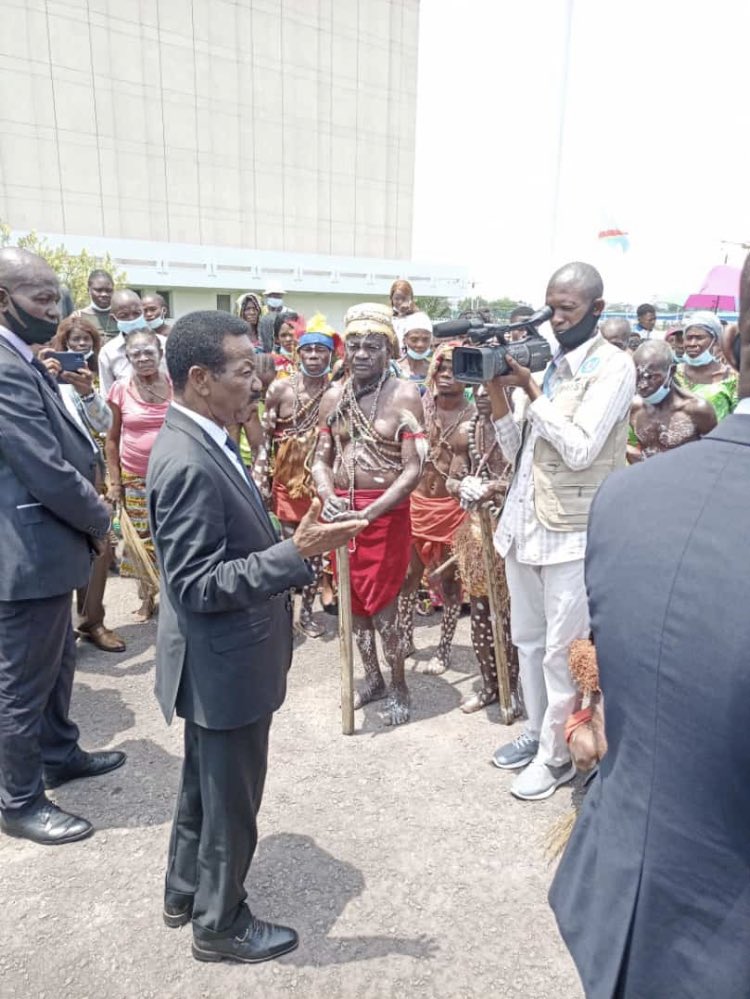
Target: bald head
20	267
29	295
126	305
578	276
655	353
617	331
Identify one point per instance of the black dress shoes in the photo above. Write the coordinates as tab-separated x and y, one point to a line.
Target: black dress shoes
47	824
259	942
178	910
84	765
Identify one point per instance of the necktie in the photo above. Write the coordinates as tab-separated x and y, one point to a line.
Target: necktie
232	446
51	382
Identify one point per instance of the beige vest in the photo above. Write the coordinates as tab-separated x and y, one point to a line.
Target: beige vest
562	498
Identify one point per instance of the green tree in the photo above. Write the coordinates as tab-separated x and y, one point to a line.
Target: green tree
434	306
72	268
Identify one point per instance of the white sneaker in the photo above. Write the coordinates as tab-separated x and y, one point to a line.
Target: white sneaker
516	754
540	780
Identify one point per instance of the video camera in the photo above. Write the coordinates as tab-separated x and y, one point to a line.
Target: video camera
475	365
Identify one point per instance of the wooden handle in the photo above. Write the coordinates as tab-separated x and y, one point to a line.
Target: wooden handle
345	641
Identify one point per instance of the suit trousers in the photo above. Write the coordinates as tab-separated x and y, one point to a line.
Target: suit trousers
215	832
548	610
37	663
90	598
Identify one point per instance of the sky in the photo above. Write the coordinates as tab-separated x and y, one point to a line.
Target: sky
517	172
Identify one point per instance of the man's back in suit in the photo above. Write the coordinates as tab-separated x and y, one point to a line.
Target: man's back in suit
653	892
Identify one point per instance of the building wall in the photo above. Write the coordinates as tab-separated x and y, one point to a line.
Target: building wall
268	124
332	306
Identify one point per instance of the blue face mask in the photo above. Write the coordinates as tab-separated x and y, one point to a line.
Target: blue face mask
126	326
415	356
660	395
273	302
304	371
677	358
695	362
155	324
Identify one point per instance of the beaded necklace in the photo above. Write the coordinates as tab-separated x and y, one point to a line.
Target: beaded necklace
368	449
443	439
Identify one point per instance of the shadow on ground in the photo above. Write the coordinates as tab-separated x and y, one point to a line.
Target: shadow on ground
141	793
313	884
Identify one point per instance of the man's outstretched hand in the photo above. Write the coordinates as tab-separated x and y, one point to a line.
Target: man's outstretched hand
313	538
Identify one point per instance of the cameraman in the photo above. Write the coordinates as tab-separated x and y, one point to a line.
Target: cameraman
563	438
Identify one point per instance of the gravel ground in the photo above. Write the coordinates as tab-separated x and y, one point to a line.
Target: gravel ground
398	855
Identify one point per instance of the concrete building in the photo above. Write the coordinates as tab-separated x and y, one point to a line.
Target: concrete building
209	143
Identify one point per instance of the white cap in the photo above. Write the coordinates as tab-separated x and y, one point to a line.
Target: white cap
274	289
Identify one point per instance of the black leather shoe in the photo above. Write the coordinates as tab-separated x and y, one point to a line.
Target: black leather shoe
177	913
259	942
85	765
47	824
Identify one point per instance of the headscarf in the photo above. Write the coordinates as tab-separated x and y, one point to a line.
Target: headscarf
707	321
444	352
371	317
414	321
242	301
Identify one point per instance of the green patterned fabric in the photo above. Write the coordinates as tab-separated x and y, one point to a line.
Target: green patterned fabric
722	395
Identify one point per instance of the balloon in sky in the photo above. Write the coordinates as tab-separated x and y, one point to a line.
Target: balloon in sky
617	239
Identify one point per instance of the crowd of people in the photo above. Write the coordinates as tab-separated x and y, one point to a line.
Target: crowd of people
238	453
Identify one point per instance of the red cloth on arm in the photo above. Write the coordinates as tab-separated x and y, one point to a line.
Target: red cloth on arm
434	522
379	556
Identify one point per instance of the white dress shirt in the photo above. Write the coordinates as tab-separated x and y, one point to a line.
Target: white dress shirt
217	434
743	407
113	362
579	441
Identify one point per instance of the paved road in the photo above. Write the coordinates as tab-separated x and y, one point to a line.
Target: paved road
399	855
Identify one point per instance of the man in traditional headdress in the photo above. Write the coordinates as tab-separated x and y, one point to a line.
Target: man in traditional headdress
369	459
290	426
436	513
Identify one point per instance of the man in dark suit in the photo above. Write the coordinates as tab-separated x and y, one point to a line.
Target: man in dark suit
224	641
51	520
653	893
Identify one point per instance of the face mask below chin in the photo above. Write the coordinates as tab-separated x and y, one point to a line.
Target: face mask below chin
126	326
417	356
29	328
660	394
697	362
156	324
574	336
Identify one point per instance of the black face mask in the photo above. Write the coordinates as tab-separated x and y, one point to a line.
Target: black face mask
28	327
580	333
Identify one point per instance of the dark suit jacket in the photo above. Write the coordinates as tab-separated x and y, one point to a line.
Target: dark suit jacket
48	504
224	641
655	881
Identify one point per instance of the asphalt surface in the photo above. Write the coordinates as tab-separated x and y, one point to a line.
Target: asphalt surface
397	854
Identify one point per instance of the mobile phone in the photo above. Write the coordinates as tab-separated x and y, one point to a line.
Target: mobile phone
70	360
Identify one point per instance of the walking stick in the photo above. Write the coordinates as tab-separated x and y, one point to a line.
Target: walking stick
345	640
496	615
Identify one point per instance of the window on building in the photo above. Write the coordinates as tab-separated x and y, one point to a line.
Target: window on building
224	303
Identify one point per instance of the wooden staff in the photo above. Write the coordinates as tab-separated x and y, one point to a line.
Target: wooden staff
345	640
496	617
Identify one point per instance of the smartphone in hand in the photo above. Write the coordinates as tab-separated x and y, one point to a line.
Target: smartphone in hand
70	360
